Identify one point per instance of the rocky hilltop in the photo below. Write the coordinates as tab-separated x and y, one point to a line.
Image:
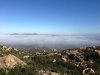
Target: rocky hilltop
77	61
5	48
82	59
8	60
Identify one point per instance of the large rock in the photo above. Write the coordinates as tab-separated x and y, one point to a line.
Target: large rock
97	52
54	60
7	49
64	59
75	52
54	73
10	61
27	56
55	50
15	49
42	72
88	71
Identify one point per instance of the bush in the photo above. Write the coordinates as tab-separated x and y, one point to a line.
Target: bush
26	70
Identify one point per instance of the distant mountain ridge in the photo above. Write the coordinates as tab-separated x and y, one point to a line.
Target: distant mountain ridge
24	34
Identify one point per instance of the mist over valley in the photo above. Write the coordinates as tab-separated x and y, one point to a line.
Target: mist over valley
51	41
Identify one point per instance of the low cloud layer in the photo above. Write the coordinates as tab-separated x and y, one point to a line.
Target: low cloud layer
51	41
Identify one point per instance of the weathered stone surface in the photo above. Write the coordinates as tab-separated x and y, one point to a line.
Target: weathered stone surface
88	71
10	61
54	60
15	49
8	49
27	56
64	59
42	72
54	50
54	73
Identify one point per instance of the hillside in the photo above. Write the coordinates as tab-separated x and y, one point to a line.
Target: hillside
76	61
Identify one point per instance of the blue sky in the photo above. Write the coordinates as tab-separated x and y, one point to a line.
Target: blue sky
50	16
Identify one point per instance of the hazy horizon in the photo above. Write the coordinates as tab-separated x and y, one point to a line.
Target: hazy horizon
52	41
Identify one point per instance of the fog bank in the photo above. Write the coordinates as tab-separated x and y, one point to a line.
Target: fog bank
51	41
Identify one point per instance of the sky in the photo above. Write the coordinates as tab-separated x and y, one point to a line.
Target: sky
50	16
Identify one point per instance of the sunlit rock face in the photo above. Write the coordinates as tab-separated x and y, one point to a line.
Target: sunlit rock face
9	61
88	71
7	49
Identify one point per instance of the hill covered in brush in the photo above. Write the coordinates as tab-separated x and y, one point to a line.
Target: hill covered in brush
76	61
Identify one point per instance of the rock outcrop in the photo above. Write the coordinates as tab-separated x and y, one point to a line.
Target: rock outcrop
64	59
10	61
42	72
54	73
88	71
7	49
54	60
